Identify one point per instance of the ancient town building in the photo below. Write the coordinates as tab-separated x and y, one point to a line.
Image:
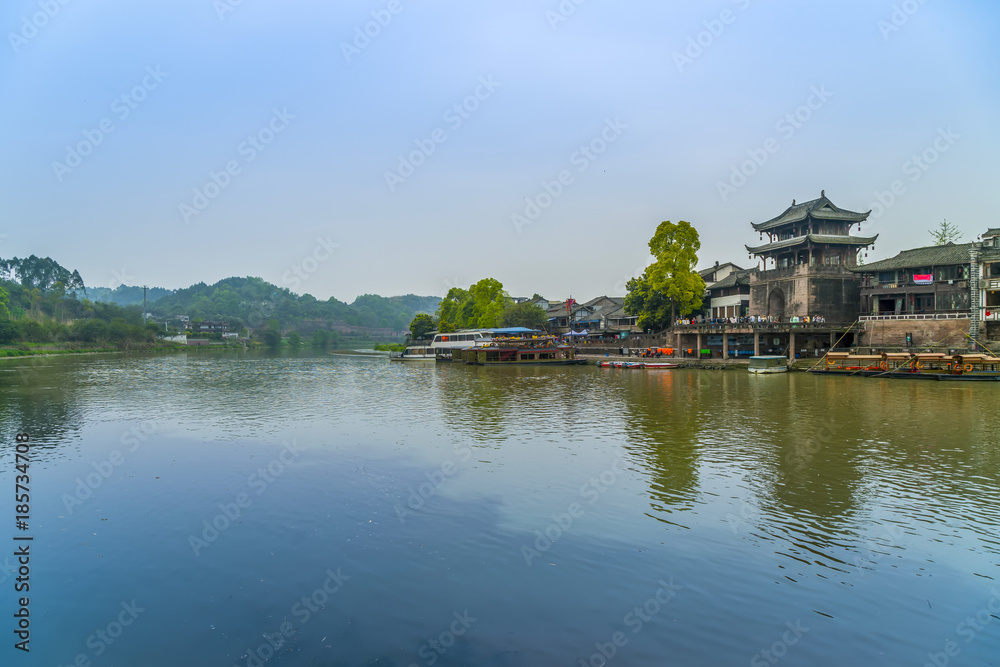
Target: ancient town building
807	261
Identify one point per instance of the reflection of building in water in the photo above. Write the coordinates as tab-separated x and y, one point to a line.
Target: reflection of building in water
664	418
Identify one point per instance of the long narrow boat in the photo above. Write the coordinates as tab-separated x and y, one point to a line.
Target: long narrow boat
519	351
914	366
648	365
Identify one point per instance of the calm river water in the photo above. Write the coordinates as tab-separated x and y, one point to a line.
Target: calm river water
220	510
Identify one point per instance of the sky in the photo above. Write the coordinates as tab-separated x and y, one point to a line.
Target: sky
403	146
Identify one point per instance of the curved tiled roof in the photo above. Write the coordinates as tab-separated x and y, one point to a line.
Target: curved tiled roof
741	277
821	209
935	255
826	239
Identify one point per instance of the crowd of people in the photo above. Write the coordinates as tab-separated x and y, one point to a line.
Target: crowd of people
752	319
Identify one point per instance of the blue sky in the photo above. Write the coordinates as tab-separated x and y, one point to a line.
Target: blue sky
350	169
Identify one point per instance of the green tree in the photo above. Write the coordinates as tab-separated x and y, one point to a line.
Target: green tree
653	309
4	301
451	310
320	339
294	340
272	337
675	249
421	325
523	315
489	301
9	331
945	233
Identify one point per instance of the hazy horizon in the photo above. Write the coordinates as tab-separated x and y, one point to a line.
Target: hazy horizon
174	145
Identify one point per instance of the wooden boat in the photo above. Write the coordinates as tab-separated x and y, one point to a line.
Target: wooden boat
518	351
636	364
914	366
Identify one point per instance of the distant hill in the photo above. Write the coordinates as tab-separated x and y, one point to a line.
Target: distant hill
250	302
254	302
125	295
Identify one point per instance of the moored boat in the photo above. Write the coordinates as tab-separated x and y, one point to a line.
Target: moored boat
914	366
534	350
768	364
414	353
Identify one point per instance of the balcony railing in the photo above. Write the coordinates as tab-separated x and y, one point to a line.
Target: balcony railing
959	315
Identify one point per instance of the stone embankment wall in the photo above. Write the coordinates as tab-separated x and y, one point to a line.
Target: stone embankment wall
925	333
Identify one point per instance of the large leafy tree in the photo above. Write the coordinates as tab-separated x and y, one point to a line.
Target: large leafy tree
480	306
675	249
421	325
450	312
489	301
653	309
945	233
523	315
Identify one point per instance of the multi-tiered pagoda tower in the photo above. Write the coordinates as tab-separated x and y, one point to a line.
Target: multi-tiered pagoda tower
805	263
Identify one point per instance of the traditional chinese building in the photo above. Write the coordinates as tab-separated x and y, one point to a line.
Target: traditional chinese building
806	262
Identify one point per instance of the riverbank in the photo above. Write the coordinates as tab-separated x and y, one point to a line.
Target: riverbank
20	351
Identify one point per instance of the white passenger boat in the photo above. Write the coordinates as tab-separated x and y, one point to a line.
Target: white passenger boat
414	353
768	364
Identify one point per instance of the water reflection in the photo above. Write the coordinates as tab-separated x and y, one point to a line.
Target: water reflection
872	502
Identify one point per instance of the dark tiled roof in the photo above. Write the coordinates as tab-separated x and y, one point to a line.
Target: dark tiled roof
618	314
935	255
992	231
596	301
732	280
821	209
824	239
713	269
